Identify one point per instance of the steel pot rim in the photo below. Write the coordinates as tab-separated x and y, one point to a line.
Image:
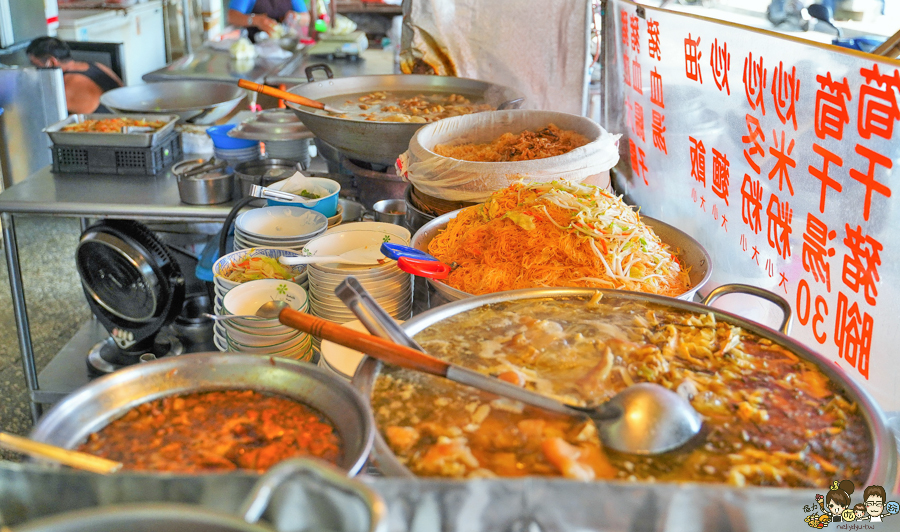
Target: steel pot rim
883	464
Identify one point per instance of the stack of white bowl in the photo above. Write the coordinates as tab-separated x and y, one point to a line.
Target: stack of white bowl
278	227
389	285
258	336
236	156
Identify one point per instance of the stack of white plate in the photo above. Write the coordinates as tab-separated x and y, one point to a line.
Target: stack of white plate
278	227
388	285
258	336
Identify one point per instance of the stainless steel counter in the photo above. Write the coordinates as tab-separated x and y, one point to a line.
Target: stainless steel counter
218	65
371	62
215	65
82	196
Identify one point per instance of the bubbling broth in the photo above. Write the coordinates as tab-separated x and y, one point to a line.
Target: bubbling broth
770	418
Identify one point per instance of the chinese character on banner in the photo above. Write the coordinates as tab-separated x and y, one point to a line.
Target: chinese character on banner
755	134
638	125
755	83
626	69
779	226
868	179
624	29
853	334
751	203
720	61
659	141
698	160
831	107
878	107
720	174
782	161
653	33
786	91
692	59
635	34
816	250
656	89
636	82
861	263
822	174
638	166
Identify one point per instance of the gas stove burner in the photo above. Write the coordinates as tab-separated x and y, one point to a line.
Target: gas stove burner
133	287
106	356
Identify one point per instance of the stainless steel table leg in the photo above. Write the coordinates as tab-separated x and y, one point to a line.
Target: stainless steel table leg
23	331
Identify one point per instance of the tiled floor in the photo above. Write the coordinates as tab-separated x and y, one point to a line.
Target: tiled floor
56	307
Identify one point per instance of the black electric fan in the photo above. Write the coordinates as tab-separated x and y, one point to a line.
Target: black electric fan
134	287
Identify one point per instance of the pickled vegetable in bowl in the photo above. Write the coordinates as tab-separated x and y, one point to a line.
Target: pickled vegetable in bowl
255	268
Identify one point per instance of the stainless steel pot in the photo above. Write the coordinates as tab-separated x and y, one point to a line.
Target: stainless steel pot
691	254
382	142
172	517
263	172
883	469
93	406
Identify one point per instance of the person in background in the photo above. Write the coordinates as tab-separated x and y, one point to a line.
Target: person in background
84	82
265	15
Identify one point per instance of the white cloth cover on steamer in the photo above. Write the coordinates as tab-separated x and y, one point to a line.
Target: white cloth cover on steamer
457	180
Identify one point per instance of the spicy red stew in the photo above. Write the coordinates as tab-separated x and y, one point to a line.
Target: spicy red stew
215	431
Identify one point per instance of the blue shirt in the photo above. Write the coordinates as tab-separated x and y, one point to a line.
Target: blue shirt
246	6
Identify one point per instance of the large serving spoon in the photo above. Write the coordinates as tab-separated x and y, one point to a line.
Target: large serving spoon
76	459
641	419
364	255
287	96
268	310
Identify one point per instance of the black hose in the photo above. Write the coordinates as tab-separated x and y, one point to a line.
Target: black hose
226	227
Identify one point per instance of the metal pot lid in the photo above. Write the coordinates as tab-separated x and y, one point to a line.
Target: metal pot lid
272	125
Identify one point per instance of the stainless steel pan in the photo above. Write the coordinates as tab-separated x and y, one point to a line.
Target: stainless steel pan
197	102
691	254
177	517
382	142
96	404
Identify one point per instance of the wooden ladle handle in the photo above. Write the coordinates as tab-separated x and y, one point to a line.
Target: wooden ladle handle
383	350
277	93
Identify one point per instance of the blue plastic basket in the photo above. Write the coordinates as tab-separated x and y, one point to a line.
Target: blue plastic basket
220	138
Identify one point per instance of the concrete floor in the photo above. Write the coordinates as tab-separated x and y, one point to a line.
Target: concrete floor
56	308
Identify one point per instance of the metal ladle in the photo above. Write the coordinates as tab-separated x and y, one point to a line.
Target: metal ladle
641	419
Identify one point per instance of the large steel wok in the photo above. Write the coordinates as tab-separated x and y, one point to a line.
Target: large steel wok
197	102
882	469
382	142
96	404
690	253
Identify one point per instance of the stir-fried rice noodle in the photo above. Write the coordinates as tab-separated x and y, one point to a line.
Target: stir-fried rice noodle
556	234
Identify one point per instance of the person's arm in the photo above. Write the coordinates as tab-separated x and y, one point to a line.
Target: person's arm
242	20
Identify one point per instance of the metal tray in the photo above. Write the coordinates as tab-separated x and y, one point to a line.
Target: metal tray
129	140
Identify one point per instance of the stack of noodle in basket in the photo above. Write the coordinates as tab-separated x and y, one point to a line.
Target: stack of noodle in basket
556	234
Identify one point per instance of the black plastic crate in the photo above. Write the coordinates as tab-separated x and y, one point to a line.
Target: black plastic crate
117	159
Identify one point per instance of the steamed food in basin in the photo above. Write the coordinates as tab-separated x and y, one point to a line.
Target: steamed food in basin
770	417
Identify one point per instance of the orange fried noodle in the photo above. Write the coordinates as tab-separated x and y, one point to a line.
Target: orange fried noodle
555	234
